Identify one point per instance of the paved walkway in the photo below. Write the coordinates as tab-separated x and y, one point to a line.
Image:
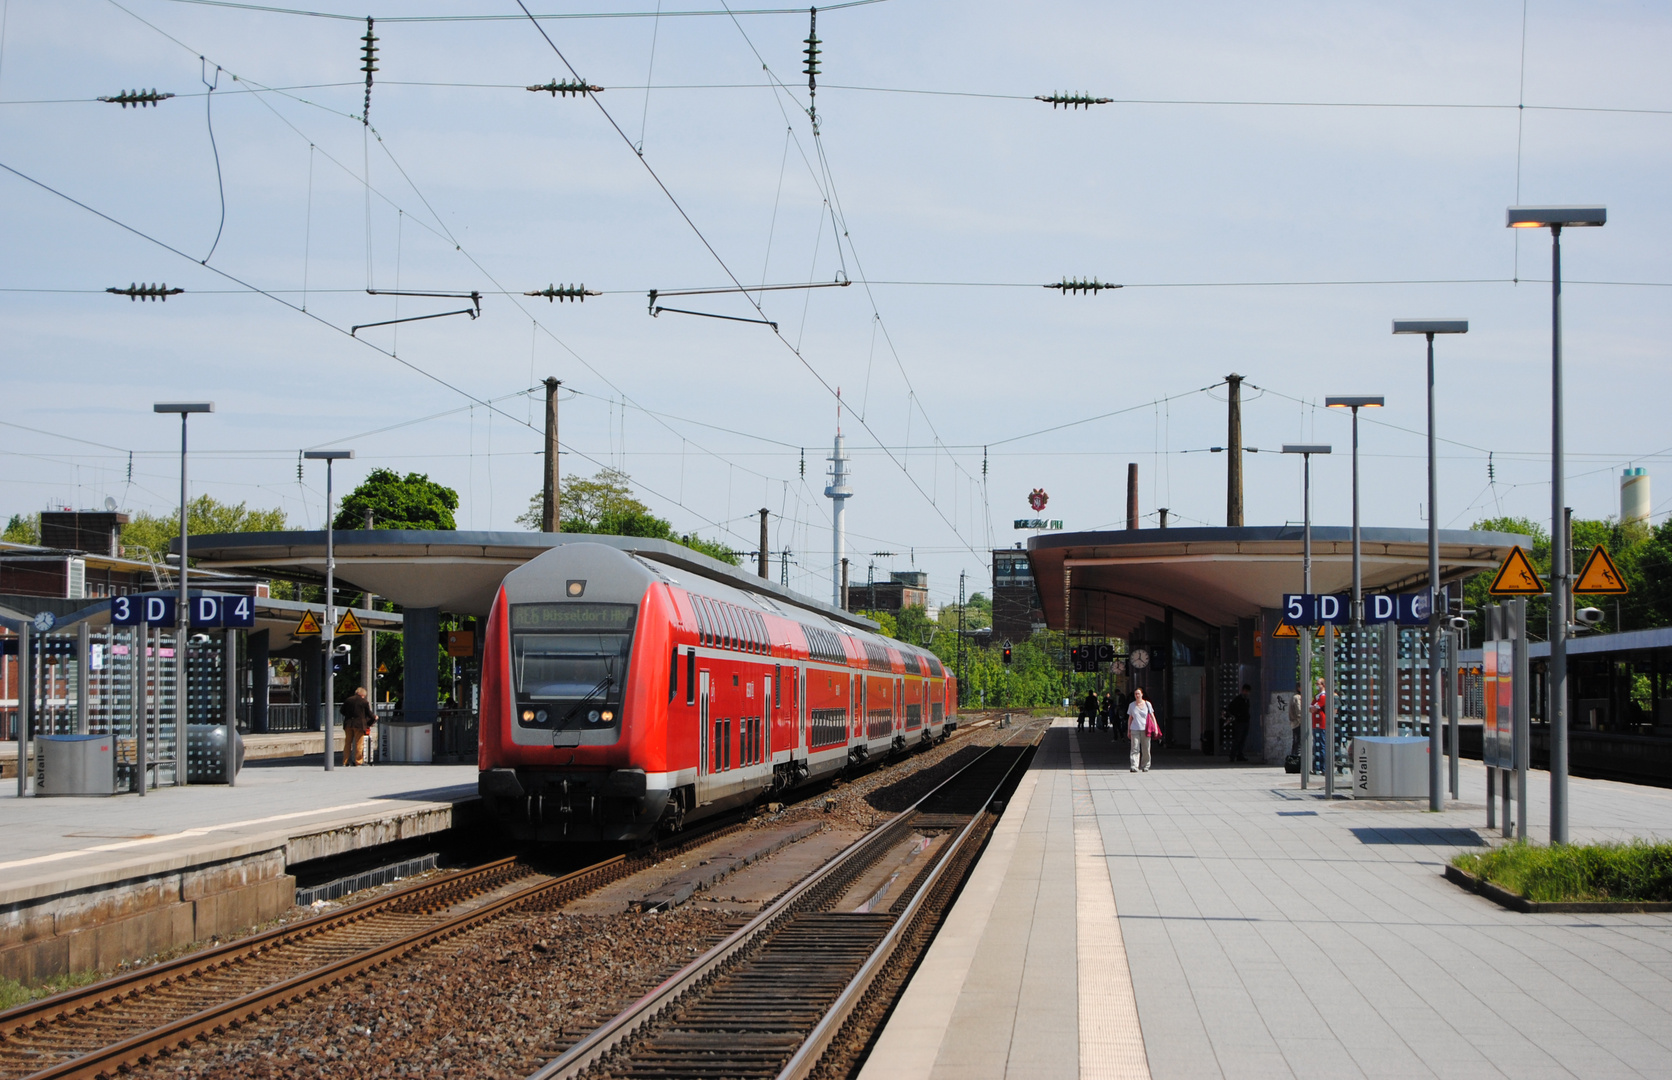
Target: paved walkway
1264	932
48	842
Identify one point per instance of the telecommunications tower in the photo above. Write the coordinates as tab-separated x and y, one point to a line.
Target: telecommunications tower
838	493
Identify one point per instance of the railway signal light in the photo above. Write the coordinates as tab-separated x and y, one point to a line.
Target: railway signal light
580	87
1072	101
137	98
1080	285
577	293
147	292
1007	654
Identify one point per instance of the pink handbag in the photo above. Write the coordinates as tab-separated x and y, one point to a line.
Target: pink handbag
1151	728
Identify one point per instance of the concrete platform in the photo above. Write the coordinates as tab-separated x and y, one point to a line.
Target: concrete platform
1205	919
87	883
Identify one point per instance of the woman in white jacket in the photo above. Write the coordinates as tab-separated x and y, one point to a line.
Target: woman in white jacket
1140	720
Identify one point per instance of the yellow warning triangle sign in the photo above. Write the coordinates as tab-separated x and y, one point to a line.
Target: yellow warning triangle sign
1284	630
1517	576
348	624
1600	576
383	669
309	626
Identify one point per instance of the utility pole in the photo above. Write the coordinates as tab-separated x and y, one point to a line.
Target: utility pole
549	521
1233	450
961	625
1132	495
763	553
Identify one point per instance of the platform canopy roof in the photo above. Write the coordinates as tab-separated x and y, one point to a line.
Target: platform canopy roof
459	572
1108	582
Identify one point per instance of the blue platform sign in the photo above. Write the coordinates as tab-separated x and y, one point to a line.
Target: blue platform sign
238	612
143	609
1315	609
207	610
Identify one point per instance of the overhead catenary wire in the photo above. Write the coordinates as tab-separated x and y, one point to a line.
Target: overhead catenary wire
439	228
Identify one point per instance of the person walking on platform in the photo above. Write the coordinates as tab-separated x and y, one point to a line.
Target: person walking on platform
1088	708
1297	719
1106	718
358	718
1141	726
1237	710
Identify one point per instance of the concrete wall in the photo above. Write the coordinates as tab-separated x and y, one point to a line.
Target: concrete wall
100	926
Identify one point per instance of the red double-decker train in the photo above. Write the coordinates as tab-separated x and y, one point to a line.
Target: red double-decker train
633	684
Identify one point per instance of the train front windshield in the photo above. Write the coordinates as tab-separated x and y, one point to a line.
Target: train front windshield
569	663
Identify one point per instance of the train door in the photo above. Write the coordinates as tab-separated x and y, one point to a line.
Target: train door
769	708
705	753
899	705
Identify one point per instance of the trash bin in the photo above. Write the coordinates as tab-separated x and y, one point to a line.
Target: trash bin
206	753
1387	767
409	742
75	765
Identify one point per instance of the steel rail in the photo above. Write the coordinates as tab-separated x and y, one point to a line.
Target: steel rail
122	987
612	1035
110	1059
811	1051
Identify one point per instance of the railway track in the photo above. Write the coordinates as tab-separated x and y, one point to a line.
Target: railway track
109	1027
104	1028
813	974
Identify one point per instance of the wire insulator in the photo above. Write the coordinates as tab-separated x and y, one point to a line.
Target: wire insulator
368	64
565	292
579	87
146	292
1072	101
1079	285
137	98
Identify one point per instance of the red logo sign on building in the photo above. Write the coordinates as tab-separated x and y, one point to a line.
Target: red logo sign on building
1037	498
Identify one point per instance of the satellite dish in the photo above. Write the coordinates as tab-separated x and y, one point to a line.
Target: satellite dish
110	502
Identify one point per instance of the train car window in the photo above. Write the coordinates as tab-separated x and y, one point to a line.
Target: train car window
722	624
735	639
702	620
691	677
673	673
777	685
758	630
766	634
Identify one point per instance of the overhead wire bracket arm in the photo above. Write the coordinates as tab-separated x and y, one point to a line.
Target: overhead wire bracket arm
654	311
840	283
474	311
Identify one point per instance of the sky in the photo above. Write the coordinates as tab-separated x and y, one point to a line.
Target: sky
1272	185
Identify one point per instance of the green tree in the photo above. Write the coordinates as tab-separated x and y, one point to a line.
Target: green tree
885	622
149	534
23	529
913	624
411	502
604	505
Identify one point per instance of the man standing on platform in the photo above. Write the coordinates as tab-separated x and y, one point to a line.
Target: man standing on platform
1237	710
358	718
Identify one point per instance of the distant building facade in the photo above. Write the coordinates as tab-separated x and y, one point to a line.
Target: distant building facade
1017	612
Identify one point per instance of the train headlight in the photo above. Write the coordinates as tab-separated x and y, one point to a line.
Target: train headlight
528	716
592	716
608	715
540	717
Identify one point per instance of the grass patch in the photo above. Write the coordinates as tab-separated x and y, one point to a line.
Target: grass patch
1568	873
13	993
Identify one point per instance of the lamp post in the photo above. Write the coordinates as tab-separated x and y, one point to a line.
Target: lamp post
1356	402
329	631
1306	450
1430	327
1554	218
183	609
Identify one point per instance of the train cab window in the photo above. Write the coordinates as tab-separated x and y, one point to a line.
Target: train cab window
673	673
691	677
569	663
